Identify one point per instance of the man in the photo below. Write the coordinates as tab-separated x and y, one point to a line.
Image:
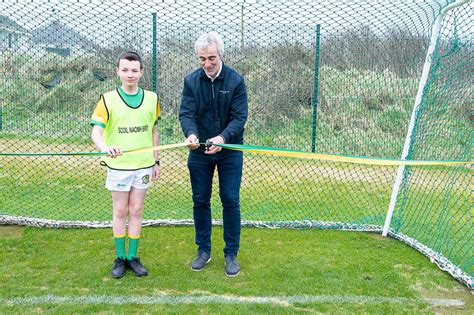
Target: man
214	108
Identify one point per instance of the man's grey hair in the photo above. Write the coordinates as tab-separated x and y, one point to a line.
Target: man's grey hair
207	39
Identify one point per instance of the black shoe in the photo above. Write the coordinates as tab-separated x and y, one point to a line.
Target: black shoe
232	268
137	267
119	267
201	260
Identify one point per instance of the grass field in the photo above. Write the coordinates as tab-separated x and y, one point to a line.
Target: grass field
283	271
71	188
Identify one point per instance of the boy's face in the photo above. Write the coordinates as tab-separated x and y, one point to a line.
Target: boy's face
210	60
129	73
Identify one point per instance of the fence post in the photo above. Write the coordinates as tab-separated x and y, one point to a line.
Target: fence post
153	71
242	27
315	88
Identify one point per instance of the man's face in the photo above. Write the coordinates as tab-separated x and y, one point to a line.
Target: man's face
129	72
210	60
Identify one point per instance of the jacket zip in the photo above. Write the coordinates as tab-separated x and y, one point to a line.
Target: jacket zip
214	105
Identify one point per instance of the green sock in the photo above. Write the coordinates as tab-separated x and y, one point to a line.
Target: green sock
119	241
132	246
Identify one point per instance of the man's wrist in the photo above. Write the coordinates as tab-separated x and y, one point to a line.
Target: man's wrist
157	162
222	136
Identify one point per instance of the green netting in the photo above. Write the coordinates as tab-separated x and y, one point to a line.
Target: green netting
329	77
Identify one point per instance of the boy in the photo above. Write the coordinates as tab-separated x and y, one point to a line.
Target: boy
126	119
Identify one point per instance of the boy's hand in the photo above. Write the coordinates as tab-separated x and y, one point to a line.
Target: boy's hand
192	142
112	151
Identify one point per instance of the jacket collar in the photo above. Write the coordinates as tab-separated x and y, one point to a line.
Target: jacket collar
203	74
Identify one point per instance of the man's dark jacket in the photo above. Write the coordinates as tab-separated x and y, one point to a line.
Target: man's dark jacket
214	108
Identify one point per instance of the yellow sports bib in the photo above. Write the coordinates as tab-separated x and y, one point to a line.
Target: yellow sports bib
130	128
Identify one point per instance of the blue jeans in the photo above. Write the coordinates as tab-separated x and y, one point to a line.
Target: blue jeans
229	168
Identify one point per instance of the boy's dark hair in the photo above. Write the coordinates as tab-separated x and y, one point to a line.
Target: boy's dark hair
130	56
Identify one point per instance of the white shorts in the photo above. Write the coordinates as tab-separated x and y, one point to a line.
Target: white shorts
125	180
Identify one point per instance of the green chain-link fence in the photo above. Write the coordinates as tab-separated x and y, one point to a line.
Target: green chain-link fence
330	77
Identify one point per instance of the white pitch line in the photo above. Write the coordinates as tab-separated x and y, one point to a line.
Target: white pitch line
223	299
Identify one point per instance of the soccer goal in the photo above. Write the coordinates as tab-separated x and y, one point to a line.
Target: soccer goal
360	113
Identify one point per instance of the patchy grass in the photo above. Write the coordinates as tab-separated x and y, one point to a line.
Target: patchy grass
336	272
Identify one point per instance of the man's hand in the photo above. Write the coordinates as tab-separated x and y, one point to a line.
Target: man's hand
213	149
192	142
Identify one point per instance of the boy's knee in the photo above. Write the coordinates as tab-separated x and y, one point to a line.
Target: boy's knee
136	211
120	212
